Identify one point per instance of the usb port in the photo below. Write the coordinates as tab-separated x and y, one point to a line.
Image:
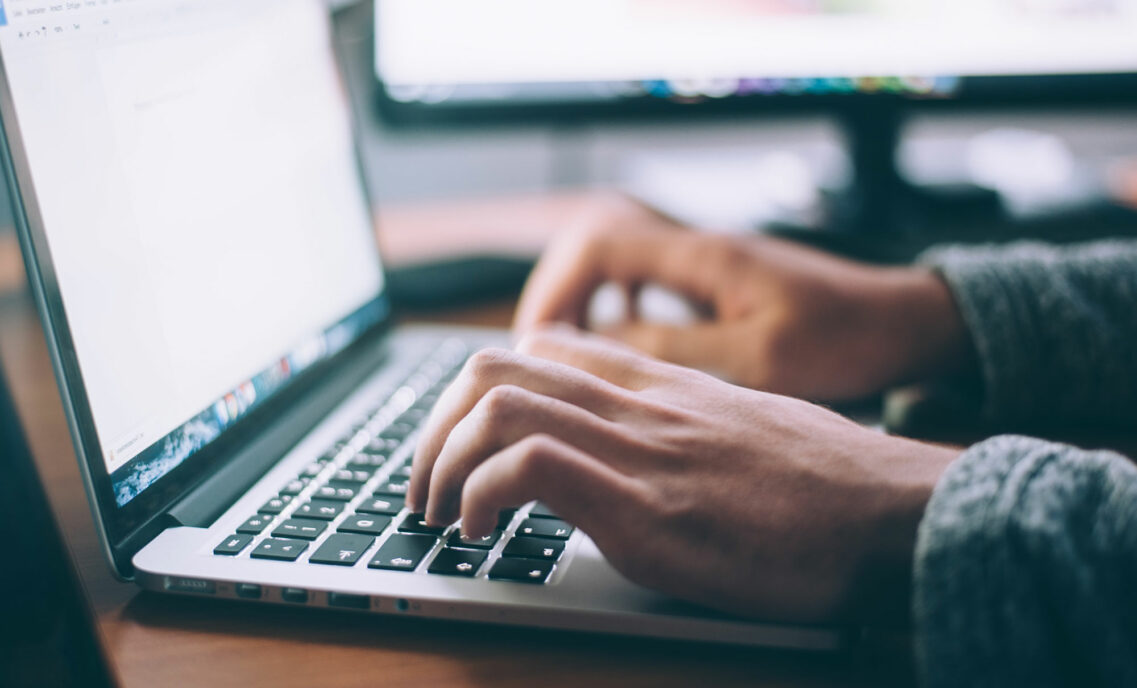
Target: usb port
295	595
342	599
249	591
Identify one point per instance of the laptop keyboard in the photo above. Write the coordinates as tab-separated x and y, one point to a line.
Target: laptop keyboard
347	508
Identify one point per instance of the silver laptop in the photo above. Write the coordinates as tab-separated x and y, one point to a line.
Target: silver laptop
198	238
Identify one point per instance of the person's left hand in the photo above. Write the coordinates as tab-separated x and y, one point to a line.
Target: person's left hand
744	501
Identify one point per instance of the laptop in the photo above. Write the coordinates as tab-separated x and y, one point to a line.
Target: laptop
48	637
198	237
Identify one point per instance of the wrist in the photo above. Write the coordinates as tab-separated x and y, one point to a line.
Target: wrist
909	472
919	318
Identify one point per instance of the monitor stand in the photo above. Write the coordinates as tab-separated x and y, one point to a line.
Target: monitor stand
883	217
879	200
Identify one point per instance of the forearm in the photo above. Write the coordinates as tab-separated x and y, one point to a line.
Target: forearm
1053	328
1025	567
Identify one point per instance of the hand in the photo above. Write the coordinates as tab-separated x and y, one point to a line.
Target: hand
740	500
779	316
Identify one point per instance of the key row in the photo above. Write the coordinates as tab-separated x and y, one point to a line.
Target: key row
529	560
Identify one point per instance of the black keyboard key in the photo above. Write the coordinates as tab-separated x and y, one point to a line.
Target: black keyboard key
366	524
403	471
395	487
254	525
388	506
416	523
402	552
415	415
366	461
233	545
301	528
539	510
339	492
280	550
521	570
341	549
350	476
312	470
427	401
534	548
397	431
294	487
545	527
320	509
275	505
487	542
383	445
505	517
458	562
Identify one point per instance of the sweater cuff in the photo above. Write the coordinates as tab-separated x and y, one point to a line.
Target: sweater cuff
1053	327
1024	567
989	302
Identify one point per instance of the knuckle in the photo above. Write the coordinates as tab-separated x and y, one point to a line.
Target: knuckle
534	454
723	251
536	341
502	402
485	364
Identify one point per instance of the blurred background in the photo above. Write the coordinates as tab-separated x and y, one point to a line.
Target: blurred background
1005	118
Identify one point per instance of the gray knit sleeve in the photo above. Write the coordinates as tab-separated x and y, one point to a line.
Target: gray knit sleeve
1026	569
1055	328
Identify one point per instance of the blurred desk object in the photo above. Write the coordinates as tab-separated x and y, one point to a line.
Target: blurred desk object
157	640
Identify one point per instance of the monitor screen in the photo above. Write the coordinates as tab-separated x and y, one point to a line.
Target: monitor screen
192	166
453	51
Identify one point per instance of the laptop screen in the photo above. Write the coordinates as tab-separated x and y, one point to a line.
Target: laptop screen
194	171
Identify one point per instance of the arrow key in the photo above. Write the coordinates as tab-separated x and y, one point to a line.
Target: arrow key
458	562
342	549
279	549
545	528
522	570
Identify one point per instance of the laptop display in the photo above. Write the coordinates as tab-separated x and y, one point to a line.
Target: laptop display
194	174
201	249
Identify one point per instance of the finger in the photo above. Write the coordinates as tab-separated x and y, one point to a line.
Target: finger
494	367
504	416
581	489
704	345
605	358
576	264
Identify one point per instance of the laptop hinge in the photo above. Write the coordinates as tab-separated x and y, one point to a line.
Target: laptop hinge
209	499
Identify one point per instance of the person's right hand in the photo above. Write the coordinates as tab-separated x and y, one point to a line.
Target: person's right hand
752	503
780	317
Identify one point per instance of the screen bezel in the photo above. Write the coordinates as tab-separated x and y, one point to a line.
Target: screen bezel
118	525
974	93
1097	90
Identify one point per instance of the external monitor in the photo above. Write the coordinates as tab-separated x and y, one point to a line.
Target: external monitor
864	61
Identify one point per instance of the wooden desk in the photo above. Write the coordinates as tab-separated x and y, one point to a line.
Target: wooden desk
156	640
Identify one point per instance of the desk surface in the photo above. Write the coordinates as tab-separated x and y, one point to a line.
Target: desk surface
169	641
